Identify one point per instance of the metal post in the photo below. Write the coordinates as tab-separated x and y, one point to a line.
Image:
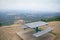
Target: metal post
36	29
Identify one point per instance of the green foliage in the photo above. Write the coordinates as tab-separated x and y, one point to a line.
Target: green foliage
56	18
44	20
0	24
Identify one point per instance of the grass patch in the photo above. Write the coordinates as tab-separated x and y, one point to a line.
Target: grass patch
53	33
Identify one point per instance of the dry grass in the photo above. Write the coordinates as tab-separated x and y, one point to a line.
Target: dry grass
9	32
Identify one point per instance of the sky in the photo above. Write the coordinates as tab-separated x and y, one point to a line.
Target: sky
31	5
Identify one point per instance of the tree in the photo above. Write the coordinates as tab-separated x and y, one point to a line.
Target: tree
0	24
45	20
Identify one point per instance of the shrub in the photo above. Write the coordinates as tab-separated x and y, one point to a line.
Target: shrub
0	24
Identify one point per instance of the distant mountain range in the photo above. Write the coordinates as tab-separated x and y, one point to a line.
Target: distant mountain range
27	16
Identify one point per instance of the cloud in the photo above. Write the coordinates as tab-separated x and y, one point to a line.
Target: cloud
40	5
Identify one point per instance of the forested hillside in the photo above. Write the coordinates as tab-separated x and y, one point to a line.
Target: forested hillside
6	19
